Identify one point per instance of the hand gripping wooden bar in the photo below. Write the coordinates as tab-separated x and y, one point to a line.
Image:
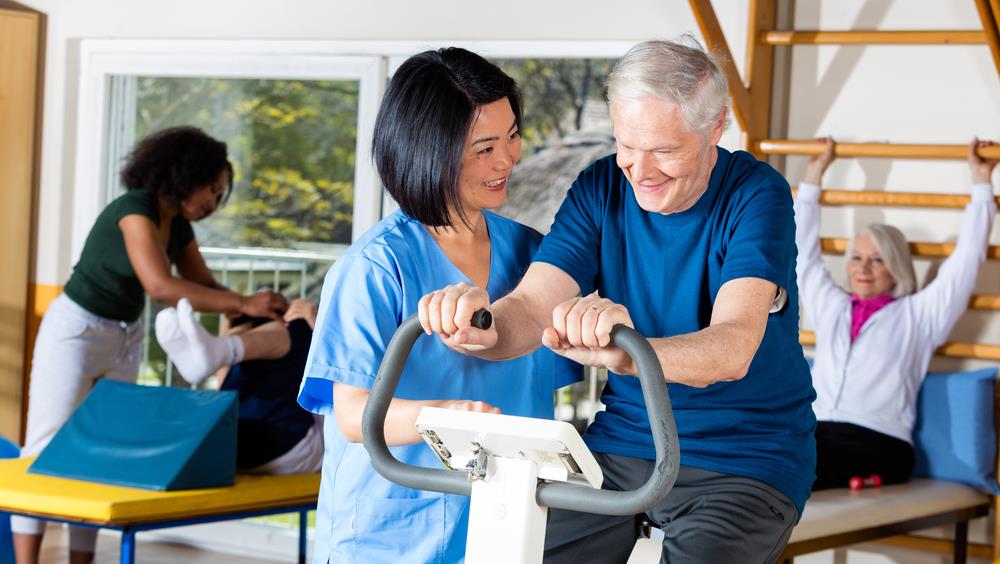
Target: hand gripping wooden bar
878	150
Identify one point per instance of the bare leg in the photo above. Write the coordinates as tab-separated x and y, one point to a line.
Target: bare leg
266	342
27	548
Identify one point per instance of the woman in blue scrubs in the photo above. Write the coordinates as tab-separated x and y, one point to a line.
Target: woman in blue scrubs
446	140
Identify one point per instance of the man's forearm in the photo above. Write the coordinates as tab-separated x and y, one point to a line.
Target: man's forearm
719	353
519	330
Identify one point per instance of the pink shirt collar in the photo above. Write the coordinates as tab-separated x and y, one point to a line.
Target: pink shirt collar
862	309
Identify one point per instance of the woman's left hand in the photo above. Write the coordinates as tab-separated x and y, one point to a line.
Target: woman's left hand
980	168
581	331
817	165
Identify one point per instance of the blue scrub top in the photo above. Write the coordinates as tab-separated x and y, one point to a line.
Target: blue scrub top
369	291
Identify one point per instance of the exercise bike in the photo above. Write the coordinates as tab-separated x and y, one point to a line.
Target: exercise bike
515	468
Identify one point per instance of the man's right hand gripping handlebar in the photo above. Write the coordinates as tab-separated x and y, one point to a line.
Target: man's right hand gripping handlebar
449	313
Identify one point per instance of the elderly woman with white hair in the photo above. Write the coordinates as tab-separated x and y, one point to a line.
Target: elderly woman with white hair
874	343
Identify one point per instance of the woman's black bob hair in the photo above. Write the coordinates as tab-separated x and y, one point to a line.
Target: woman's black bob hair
175	162
422	125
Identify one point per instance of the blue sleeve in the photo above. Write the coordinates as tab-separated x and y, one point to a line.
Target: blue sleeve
573	244
761	234
358	313
565	372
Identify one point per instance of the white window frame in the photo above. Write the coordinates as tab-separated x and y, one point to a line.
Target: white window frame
370	62
103	59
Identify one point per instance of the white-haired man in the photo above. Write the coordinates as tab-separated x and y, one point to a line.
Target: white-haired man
694	247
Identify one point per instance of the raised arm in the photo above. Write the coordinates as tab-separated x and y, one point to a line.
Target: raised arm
816	288
943	301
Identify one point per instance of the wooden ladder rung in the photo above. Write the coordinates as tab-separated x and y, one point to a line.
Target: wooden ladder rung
951	349
883	150
839	246
874	37
985	301
897	199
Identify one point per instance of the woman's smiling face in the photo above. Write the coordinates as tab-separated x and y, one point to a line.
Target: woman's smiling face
866	270
492	149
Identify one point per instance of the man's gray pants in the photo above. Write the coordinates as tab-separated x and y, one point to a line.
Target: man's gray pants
707	517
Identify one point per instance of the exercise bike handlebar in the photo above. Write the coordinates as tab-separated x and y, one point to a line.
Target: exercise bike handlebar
551	494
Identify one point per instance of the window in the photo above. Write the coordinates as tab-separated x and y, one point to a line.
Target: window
295	118
261	98
566	126
292	144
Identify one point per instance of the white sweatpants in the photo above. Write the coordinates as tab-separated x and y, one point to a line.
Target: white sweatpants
73	350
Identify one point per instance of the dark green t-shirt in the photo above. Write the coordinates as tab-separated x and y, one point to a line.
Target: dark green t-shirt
103	281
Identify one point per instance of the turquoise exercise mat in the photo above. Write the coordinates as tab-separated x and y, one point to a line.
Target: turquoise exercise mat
146	437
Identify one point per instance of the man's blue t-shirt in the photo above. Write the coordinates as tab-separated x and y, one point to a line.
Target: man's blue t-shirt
667	270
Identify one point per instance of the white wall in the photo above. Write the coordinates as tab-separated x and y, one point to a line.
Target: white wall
940	94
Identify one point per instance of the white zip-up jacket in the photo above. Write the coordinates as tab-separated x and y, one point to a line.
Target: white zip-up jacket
874	382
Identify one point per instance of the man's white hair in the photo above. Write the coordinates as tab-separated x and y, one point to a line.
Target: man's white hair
682	73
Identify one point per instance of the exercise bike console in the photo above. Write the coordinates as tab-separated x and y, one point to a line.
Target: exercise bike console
466	441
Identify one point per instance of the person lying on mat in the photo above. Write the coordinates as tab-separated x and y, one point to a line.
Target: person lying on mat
875	341
263	360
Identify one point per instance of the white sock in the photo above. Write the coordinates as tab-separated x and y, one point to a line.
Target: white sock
194	351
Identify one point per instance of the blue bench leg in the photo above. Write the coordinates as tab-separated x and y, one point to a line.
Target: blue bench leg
302	536
128	546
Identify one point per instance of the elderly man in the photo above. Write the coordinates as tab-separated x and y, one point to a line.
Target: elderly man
694	247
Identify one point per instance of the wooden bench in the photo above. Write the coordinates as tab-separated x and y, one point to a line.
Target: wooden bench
836	518
131	510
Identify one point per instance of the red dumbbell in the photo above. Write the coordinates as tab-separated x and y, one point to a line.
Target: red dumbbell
874	481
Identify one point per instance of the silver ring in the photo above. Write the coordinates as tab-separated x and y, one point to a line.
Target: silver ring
593	307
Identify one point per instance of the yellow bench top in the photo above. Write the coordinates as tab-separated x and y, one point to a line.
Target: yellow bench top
91	502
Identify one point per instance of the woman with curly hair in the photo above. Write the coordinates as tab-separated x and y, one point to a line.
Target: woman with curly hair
91	331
